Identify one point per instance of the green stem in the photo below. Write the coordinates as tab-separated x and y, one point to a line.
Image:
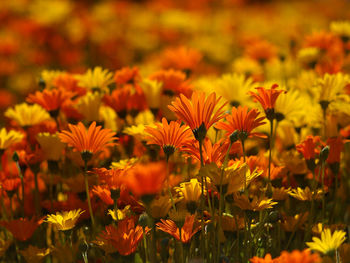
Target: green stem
167	178
323	196
202	239
270	150
88	196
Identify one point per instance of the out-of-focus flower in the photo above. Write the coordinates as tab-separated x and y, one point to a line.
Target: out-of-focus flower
341	28
127	75
152	90
89	106
160	206
291	223
309	149
93	140
190	192
27	115
170	136
65	220
329	242
124	238
50	99
104	194
51	145
335	148
96	79
188	230
266	259
297	256
34	254
243	121
305	194
256	204
309	56
200	113
22	229
146	179
261	51
181	58
8	138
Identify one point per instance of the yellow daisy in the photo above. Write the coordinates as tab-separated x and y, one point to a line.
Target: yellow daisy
305	194
51	145
329	242
7	138
95	79
89	105
27	115
65	220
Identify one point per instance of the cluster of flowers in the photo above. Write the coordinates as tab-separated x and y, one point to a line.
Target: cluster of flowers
173	165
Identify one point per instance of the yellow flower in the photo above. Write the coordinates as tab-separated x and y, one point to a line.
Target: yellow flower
27	115
34	255
65	220
137	131
240	177
51	145
290	106
109	117
341	28
55	11
145	117
96	79
152	90
328	243
89	106
234	88
256	204
280	193
308	55
191	191
327	88
124	164
9	138
160	207
48	76
247	66
291	223
305	194
122	213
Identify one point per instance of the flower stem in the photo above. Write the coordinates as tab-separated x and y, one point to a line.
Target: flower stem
88	195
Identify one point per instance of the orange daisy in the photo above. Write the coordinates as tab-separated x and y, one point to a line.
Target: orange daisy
266	259
127	75
309	148
243	121
22	228
297	256
125	238
51	100
200	113
146	179
267	98
90	141
170	136
181	58
189	229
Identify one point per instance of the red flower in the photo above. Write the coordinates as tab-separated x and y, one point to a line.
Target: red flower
335	148
309	147
22	228
104	194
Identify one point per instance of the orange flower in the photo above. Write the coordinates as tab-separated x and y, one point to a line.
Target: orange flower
118	100
22	228
187	231
93	140
309	147
111	177
146	179
104	194
181	58
127	75
174	82
51	100
297	256
335	148
169	136
267	259
125	238
267	97
243	120
261	51
200	113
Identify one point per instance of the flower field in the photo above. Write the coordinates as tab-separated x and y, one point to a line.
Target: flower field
175	131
